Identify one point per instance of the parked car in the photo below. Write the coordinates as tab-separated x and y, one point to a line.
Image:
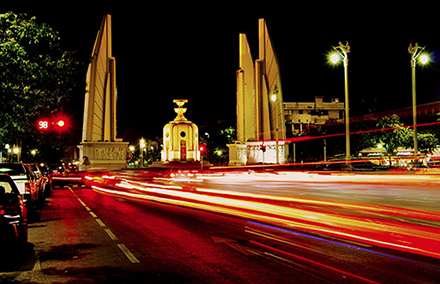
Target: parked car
41	181
47	177
25	180
13	213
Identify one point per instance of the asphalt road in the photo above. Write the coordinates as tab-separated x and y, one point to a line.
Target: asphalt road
89	236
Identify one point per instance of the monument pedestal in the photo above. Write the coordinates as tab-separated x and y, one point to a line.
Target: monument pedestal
250	153
103	155
237	154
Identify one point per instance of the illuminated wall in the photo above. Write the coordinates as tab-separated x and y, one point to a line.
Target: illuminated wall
99	122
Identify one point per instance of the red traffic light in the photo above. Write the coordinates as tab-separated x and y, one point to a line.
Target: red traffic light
202	148
59	123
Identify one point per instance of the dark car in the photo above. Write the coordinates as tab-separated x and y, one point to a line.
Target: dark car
41	181
24	178
13	213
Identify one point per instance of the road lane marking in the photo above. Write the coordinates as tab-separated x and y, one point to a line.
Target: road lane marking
128	253
110	234
100	222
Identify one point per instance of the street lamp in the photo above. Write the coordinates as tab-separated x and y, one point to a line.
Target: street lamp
415	51
274	99
341	52
219	153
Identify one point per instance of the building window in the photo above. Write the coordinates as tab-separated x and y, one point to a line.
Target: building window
182	134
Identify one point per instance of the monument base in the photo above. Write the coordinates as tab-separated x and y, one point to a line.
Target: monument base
103	155
181	165
251	153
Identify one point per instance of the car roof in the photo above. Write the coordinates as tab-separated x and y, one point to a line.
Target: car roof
14	166
5	177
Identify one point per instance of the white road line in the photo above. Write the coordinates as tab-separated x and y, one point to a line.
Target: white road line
128	253
100	222
111	235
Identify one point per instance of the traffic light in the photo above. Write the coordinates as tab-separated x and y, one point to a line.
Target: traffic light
202	148
58	123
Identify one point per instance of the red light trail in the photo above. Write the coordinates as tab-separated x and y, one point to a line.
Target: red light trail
305	138
299	214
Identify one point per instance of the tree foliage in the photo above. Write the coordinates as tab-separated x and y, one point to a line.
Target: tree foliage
216	143
36	78
394	134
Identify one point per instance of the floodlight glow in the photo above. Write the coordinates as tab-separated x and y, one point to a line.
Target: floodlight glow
334	58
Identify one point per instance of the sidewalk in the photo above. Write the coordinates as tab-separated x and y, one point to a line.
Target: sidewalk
66	244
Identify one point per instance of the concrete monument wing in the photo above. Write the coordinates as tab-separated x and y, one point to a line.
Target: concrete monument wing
260	113
99	146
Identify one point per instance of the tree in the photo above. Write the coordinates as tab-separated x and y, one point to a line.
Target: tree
37	79
216	144
394	134
427	142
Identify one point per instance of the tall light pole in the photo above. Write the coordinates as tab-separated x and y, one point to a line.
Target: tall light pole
343	50
415	51
274	99
141	149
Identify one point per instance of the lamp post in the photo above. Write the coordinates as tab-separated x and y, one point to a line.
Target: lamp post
415	51
274	99
8	149
141	149
342	51
219	153
16	151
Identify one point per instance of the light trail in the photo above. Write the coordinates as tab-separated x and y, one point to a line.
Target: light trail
360	207
67	178
264	234
406	237
359	278
306	138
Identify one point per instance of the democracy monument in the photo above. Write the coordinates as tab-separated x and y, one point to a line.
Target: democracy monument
261	130
261	125
99	147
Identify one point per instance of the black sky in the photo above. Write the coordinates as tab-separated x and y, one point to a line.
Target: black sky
167	51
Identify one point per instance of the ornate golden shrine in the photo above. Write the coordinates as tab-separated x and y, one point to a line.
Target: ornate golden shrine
180	138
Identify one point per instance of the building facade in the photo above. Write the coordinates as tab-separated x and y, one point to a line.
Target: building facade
300	115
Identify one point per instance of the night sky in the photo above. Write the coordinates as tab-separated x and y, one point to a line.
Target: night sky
167	51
